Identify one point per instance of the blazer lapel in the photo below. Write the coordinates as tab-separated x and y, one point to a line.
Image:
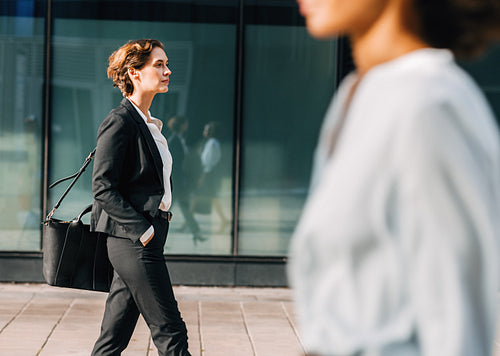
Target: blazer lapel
147	136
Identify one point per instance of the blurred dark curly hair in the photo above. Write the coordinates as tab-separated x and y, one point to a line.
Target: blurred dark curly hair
467	27
133	54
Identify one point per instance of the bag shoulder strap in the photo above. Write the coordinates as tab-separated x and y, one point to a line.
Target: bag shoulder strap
75	178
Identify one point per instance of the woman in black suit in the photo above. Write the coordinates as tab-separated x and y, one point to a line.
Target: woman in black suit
132	197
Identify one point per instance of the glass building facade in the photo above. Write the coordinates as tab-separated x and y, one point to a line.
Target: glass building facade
248	65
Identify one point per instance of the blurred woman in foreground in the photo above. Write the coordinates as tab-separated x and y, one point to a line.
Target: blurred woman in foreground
396	252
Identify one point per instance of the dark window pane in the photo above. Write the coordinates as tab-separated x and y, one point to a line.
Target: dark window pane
21	88
289	80
486	72
201	55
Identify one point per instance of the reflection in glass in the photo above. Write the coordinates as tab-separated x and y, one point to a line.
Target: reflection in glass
21	86
289	81
199	90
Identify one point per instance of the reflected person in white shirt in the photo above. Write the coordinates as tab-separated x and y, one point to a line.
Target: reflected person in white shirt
396	252
210	181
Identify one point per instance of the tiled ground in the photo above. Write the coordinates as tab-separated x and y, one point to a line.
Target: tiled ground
36	319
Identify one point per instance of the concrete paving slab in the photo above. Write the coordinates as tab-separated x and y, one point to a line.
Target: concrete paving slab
39	320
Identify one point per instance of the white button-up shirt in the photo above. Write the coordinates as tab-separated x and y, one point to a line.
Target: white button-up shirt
210	155
396	253
166	158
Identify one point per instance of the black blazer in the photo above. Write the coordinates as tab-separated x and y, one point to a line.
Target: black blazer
127	180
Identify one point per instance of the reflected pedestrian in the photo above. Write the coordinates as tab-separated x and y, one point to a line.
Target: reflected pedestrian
210	180
182	188
396	252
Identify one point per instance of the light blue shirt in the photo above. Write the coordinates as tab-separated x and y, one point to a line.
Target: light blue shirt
396	253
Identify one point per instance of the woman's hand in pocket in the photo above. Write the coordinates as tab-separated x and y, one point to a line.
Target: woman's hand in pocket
144	243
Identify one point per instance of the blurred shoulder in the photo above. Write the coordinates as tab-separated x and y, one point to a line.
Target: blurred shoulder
428	75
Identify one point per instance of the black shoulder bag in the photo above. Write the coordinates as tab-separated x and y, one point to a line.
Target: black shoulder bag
73	256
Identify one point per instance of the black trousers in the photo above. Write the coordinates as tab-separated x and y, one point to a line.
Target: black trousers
141	285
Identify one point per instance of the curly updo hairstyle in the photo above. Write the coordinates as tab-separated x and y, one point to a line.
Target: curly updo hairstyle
467	27
133	54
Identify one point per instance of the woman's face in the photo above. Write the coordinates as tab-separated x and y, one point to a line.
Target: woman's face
329	18
154	75
207	131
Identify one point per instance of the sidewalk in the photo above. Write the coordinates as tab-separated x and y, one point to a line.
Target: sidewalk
36	319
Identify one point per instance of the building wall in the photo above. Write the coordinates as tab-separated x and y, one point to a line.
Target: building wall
247	64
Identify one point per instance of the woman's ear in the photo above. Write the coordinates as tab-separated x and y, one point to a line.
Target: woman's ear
133	73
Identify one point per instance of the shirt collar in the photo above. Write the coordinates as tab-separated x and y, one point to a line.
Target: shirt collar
156	121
